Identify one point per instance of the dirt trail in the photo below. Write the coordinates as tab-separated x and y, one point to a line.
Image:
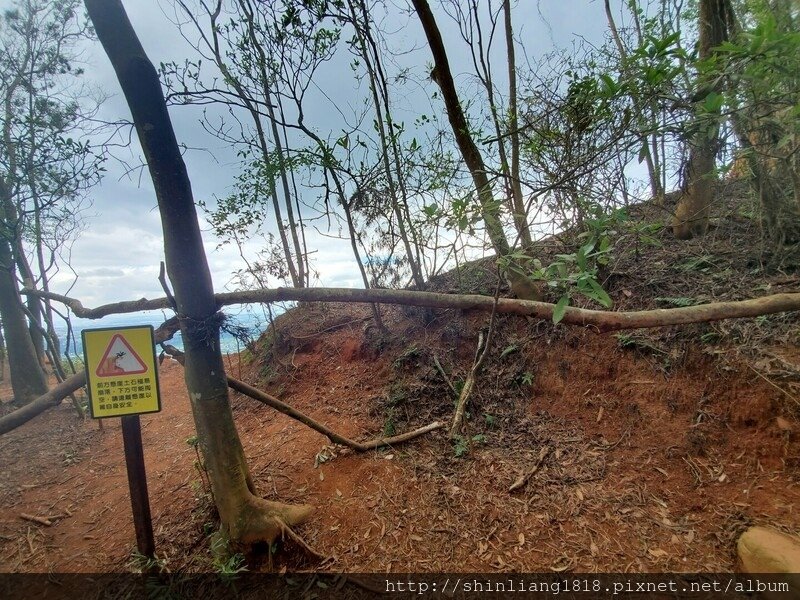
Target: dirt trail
58	466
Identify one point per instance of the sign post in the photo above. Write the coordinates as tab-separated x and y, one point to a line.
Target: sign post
122	378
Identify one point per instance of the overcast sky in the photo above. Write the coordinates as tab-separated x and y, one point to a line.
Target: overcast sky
117	257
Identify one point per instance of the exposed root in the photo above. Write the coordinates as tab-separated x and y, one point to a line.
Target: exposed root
266	521
288	532
480	357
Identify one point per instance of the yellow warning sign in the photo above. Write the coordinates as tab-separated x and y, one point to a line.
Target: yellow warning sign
121	371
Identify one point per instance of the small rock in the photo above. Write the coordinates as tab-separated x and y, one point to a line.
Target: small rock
764	550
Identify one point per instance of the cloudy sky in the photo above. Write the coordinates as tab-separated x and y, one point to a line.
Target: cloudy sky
117	256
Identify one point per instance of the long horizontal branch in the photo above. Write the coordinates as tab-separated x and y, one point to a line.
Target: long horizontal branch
598	320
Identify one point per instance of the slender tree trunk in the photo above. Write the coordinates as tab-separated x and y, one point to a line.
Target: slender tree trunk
245	517
301	260
34	308
381	80
650	156
295	194
694	207
458	122
416	272
44	278
521	285
2	354
28	381
520	215
255	115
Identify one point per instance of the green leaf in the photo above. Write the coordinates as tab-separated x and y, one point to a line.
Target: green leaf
609	85
508	350
643	153
560	310
713	102
600	294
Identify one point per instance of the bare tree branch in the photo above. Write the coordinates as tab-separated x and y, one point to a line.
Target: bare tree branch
598	320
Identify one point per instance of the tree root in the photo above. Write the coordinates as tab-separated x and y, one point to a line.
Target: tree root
267	521
297	539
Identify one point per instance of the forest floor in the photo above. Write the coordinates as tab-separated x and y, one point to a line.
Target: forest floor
655	449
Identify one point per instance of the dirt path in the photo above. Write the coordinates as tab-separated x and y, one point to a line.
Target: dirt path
73	472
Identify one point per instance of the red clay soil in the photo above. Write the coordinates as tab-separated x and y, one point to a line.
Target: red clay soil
652	462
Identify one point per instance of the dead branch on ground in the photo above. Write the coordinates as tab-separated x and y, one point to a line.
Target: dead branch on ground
282	407
480	356
525	477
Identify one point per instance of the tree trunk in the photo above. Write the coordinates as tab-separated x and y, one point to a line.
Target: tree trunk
35	309
2	354
28	381
381	125
521	285
520	215
301	255
650	156
255	114
245	518
694	207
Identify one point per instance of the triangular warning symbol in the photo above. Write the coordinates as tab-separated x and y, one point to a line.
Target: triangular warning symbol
120	359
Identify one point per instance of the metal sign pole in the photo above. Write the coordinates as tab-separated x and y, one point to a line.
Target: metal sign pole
137	482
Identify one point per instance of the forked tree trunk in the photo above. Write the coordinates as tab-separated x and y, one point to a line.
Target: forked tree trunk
28	381
245	517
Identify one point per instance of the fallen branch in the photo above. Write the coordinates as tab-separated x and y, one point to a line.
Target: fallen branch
444	375
36	407
39	520
282	407
480	356
598	320
525	477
